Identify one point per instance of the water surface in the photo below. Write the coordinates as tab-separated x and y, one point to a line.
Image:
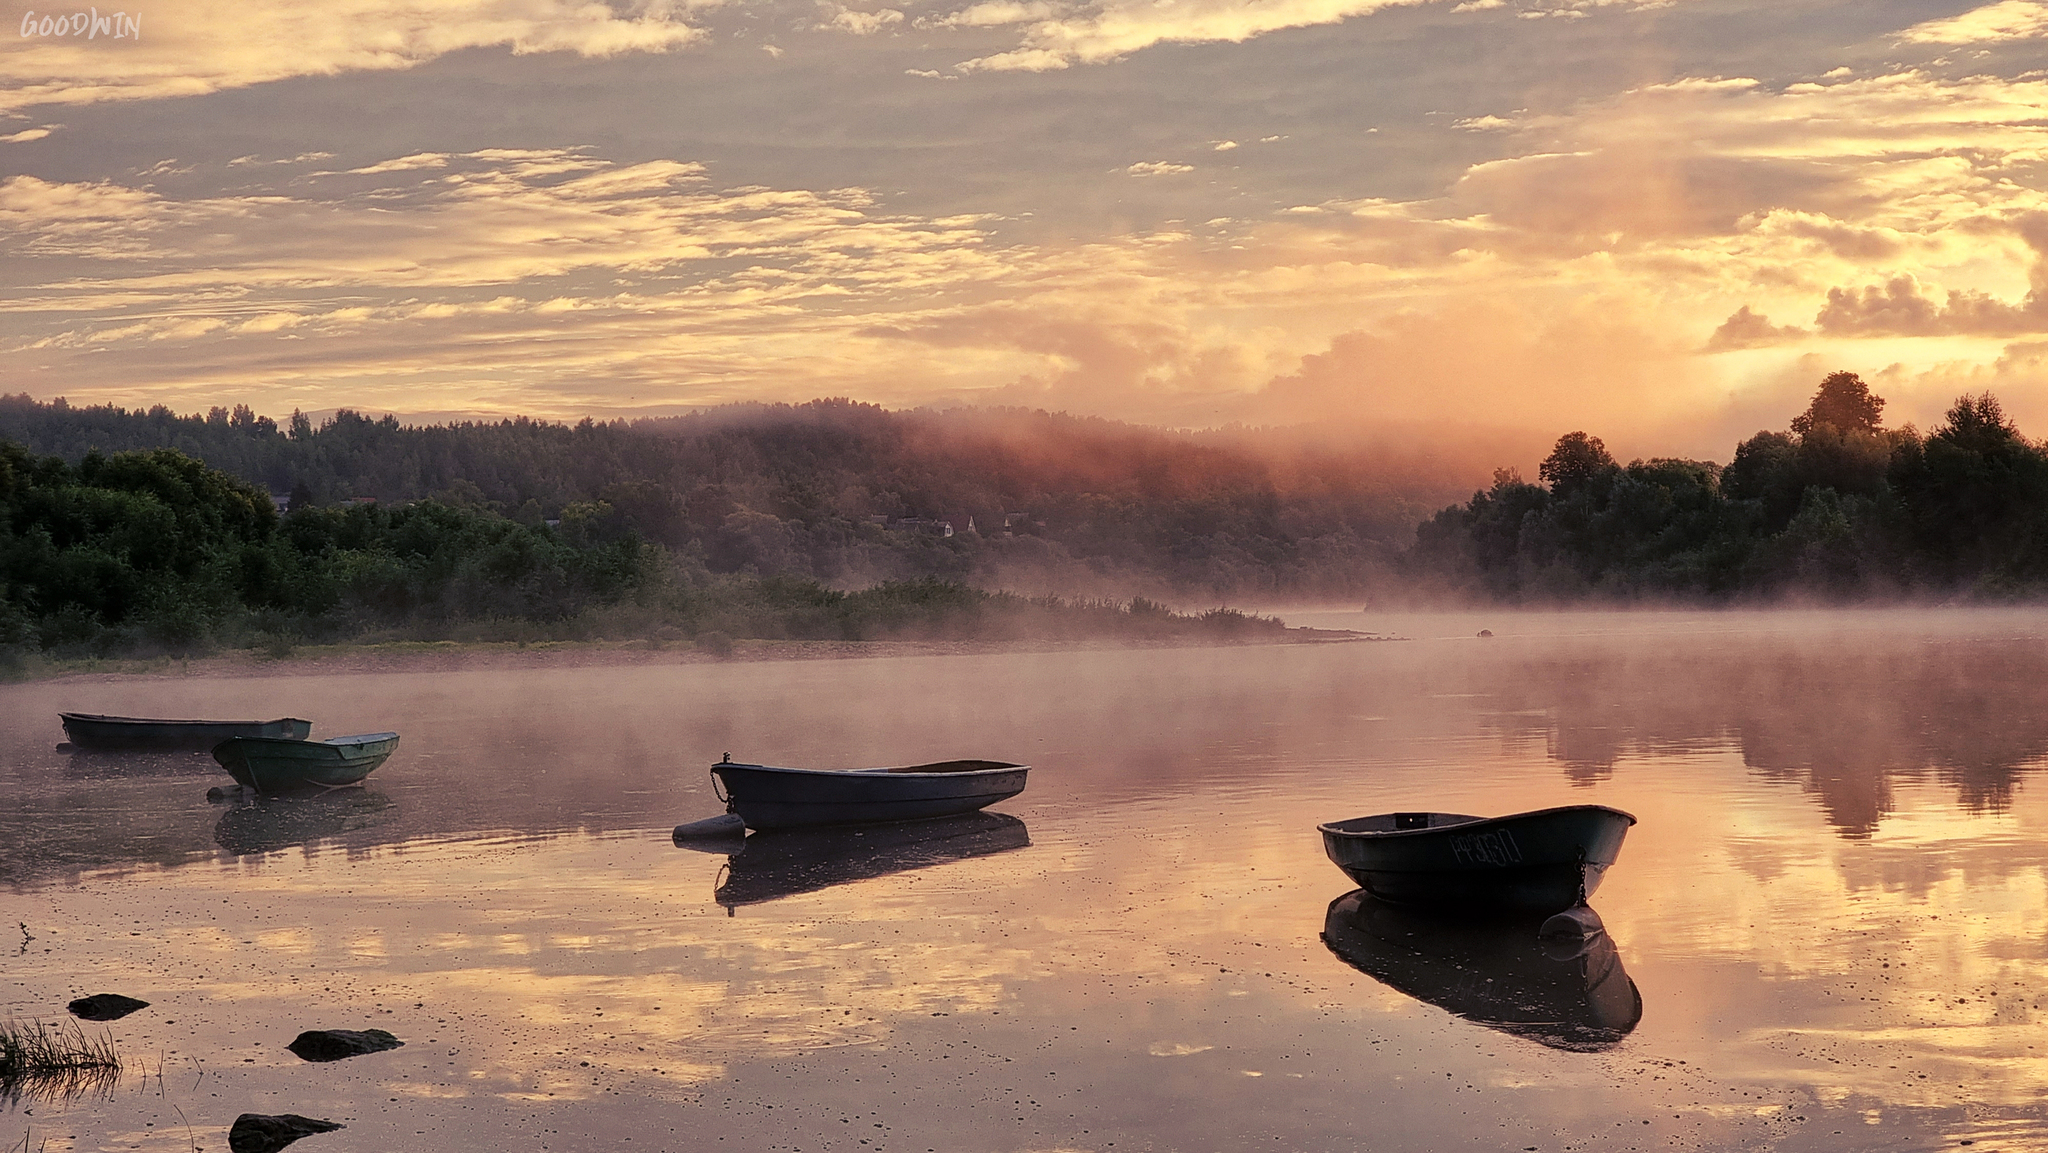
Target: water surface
1834	911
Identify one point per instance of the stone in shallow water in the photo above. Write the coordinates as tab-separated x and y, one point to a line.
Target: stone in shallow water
335	1044
262	1133
105	1007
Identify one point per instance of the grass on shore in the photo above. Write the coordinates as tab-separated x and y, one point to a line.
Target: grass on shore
47	1061
708	619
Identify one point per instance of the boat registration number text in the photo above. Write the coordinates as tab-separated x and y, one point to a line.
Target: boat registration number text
1494	848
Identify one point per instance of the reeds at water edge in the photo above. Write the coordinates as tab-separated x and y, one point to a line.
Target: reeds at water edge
40	1060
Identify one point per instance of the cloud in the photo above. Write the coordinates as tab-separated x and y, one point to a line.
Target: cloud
1106	30
500	265
1486	361
997	13
863	23
2006	20
301	158
1098	31
402	164
1746	329
199	46
1900	308
28	134
1625	265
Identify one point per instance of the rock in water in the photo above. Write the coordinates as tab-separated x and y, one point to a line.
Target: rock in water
105	1007
335	1044
261	1133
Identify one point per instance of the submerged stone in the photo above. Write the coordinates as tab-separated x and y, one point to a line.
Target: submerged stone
105	1007
263	1133
335	1044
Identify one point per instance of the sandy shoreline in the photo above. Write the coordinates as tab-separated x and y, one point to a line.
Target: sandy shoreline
458	656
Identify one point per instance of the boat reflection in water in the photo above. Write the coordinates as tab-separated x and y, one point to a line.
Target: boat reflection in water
784	862
1563	992
265	823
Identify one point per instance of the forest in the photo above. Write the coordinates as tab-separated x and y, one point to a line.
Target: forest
126	532
1835	508
153	551
846	494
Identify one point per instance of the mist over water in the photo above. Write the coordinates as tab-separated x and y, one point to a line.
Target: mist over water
1831	910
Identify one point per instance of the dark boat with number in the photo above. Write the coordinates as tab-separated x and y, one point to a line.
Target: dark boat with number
269	765
97	731
1567	993
1538	862
768	797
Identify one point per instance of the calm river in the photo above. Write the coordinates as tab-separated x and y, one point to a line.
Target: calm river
1834	911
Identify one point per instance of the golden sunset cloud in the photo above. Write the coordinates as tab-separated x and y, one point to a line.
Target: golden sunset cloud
1672	263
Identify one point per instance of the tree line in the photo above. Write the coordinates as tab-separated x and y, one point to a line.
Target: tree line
153	551
1835	508
156	551
844	493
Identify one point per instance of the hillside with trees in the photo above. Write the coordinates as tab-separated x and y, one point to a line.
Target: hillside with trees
155	552
144	531
1835	508
846	494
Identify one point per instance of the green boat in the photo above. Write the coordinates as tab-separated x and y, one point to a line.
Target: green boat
272	765
97	731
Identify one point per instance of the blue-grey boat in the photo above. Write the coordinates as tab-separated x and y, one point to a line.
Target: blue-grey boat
98	731
274	766
1538	862
769	797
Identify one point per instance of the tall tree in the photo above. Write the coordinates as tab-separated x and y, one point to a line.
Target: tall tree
1575	460
1844	402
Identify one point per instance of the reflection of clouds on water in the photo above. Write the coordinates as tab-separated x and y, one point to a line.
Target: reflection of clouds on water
519	901
1835	962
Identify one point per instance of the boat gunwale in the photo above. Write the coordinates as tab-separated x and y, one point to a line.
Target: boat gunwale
101	718
355	740
1330	828
907	771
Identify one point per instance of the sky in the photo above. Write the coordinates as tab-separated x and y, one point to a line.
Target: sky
1661	221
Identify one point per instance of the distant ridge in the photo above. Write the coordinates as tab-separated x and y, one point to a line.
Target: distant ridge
1057	503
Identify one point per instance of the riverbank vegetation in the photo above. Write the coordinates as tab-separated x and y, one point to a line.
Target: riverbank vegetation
45	1061
831	521
848	494
153	551
1835	508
